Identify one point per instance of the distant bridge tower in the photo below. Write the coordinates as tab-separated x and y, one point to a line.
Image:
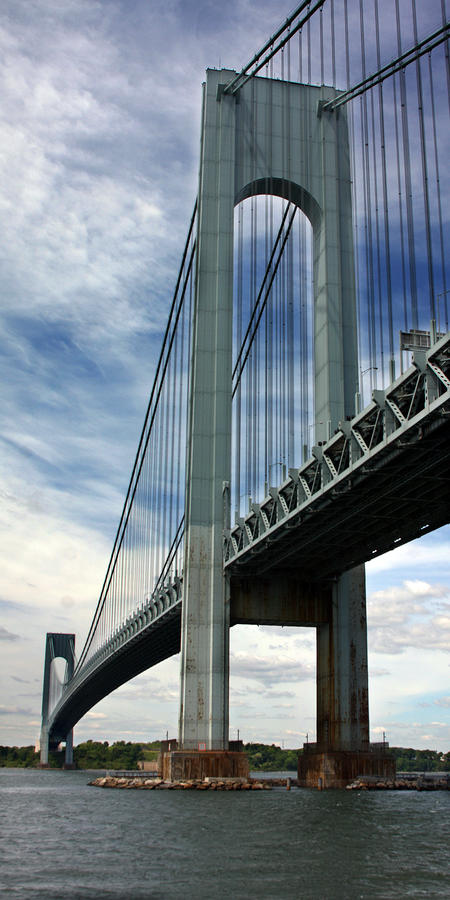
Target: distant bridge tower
269	137
56	645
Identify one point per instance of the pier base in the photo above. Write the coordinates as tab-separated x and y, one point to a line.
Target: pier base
187	765
337	768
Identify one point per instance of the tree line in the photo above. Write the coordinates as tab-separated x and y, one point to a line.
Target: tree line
262	757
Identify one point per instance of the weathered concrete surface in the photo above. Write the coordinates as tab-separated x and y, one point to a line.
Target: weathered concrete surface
342	677
338	768
279	600
181	765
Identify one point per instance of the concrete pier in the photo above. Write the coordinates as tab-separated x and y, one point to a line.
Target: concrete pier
183	765
325	768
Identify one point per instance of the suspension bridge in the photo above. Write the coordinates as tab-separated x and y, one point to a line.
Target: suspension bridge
298	422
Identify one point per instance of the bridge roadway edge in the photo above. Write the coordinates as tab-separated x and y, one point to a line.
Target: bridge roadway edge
337	528
140	653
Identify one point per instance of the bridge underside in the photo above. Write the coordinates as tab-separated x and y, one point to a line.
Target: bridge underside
147	648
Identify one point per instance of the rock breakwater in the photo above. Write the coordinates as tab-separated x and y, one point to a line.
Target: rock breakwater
157	784
419	783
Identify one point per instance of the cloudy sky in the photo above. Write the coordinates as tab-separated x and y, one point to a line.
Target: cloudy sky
99	136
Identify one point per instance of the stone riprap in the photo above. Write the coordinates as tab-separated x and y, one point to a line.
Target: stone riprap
419	783
210	784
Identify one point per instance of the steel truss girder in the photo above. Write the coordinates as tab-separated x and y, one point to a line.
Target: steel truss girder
380	481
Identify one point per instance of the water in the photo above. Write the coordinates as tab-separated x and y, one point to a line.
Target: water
63	839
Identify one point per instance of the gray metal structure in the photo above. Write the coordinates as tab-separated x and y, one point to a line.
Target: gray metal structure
272	139
56	646
380	481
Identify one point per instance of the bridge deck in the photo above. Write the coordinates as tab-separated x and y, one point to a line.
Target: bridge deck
382	480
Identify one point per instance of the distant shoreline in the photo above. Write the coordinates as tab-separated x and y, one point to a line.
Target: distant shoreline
264	759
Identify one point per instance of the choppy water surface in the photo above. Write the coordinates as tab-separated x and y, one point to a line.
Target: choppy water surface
63	839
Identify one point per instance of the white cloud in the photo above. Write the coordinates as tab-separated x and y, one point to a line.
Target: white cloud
422	555
54	553
13	711
419	735
443	701
269	670
411	615
6	635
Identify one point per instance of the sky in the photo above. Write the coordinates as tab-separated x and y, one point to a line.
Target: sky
99	138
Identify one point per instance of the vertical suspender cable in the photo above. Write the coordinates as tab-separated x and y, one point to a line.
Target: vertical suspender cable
367	213
270	378
162	500
322	74
266	338
355	215
290	323
238	402
308	32
300	59
408	182
400	207
173	430
377	251
423	150
387	244
333	46
446	51
181	436
439	204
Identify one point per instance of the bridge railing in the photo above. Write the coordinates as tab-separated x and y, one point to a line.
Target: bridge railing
154	611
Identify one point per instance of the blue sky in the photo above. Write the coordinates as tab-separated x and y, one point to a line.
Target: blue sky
99	130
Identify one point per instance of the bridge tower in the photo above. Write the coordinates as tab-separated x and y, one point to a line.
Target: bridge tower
56	645
268	137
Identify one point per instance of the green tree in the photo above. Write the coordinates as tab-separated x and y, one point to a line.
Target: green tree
270	758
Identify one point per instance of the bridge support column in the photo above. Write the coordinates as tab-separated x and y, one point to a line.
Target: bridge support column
68	756
342	679
44	747
206	607
343	750
56	645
